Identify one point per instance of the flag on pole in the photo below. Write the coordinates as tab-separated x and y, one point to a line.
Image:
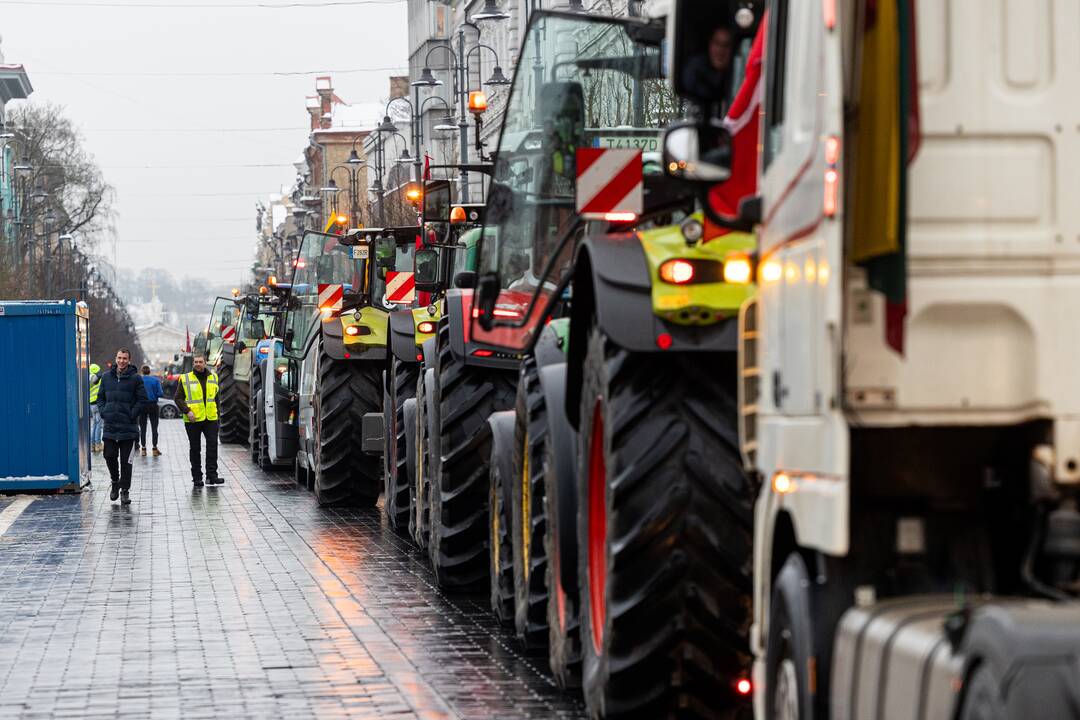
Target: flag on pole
742	121
427	166
187	332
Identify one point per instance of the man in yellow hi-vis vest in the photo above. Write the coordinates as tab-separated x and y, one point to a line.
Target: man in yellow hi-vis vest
196	398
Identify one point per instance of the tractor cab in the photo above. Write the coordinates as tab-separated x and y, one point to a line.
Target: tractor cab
221	329
553	179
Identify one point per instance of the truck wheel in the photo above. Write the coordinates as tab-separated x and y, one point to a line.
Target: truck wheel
790	645
465	397
401	385
527	508
344	474
231	407
664	534
425	451
501	565
563	605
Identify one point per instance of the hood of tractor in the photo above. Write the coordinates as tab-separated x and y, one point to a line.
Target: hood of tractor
702	296
358	334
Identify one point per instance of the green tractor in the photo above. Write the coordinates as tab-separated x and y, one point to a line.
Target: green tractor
254	323
629	512
444	254
329	373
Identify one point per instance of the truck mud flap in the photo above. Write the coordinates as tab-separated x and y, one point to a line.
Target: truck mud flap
372	431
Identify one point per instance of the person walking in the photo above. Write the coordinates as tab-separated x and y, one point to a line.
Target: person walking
196	398
149	410
120	397
96	423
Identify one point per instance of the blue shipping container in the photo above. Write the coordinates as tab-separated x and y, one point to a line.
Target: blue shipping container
45	422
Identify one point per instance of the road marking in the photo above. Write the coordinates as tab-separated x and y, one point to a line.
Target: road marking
12	512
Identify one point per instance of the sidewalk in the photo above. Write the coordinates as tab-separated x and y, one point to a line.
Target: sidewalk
240	600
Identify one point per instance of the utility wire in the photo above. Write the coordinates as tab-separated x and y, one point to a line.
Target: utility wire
218	73
233	6
193	167
193	130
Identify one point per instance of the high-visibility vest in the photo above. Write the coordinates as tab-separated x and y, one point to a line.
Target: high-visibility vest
193	393
94	388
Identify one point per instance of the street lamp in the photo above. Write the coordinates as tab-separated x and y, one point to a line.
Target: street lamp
491	11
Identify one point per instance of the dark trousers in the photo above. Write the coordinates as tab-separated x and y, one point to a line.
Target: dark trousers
196	431
118	458
149	412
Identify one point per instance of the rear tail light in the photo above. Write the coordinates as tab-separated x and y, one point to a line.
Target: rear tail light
497	312
832	176
482	353
352	330
426	327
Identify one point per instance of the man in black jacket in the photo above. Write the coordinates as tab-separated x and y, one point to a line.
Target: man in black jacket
120	398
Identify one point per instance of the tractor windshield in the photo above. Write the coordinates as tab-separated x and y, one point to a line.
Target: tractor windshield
221	328
582	82
325	267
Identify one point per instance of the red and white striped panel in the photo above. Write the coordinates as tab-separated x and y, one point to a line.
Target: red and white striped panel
331	296
400	287
609	183
229	334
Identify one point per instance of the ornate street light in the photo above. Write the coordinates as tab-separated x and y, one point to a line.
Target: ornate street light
387	125
491	11
497	77
426	79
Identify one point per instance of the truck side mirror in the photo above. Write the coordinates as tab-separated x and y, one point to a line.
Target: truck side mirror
698	152
437	201
289	335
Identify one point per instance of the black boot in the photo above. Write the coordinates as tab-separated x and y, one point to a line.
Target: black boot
197	482
115	492
125	499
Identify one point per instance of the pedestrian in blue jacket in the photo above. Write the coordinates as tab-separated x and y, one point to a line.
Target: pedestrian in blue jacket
120	398
149	409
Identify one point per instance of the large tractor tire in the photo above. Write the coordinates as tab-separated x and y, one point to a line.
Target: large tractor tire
465	396
427	450
527	523
500	552
232	408
401	385
664	535
344	474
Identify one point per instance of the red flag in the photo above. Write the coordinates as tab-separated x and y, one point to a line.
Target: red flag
743	123
427	166
187	331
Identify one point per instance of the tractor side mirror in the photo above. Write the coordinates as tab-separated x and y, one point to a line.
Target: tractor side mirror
466	280
484	299
699	153
427	270
258	329
437	201
290	335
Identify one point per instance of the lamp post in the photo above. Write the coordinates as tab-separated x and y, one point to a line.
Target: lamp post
352	169
490	11
386	127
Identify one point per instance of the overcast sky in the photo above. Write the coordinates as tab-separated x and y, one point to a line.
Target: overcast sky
190	155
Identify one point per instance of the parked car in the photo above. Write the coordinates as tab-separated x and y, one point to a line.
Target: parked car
167	409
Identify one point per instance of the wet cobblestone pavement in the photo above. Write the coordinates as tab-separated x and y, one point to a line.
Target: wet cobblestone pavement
241	600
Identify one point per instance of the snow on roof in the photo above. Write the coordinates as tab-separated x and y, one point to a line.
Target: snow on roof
356	117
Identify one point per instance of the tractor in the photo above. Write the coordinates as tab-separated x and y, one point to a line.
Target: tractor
629	510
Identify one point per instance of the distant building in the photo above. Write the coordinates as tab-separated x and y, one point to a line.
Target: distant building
14	85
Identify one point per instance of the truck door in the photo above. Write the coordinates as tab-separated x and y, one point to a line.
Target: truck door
801	240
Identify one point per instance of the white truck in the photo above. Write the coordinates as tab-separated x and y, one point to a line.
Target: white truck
910	400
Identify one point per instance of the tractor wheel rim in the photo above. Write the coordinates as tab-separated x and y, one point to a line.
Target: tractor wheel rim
597	530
